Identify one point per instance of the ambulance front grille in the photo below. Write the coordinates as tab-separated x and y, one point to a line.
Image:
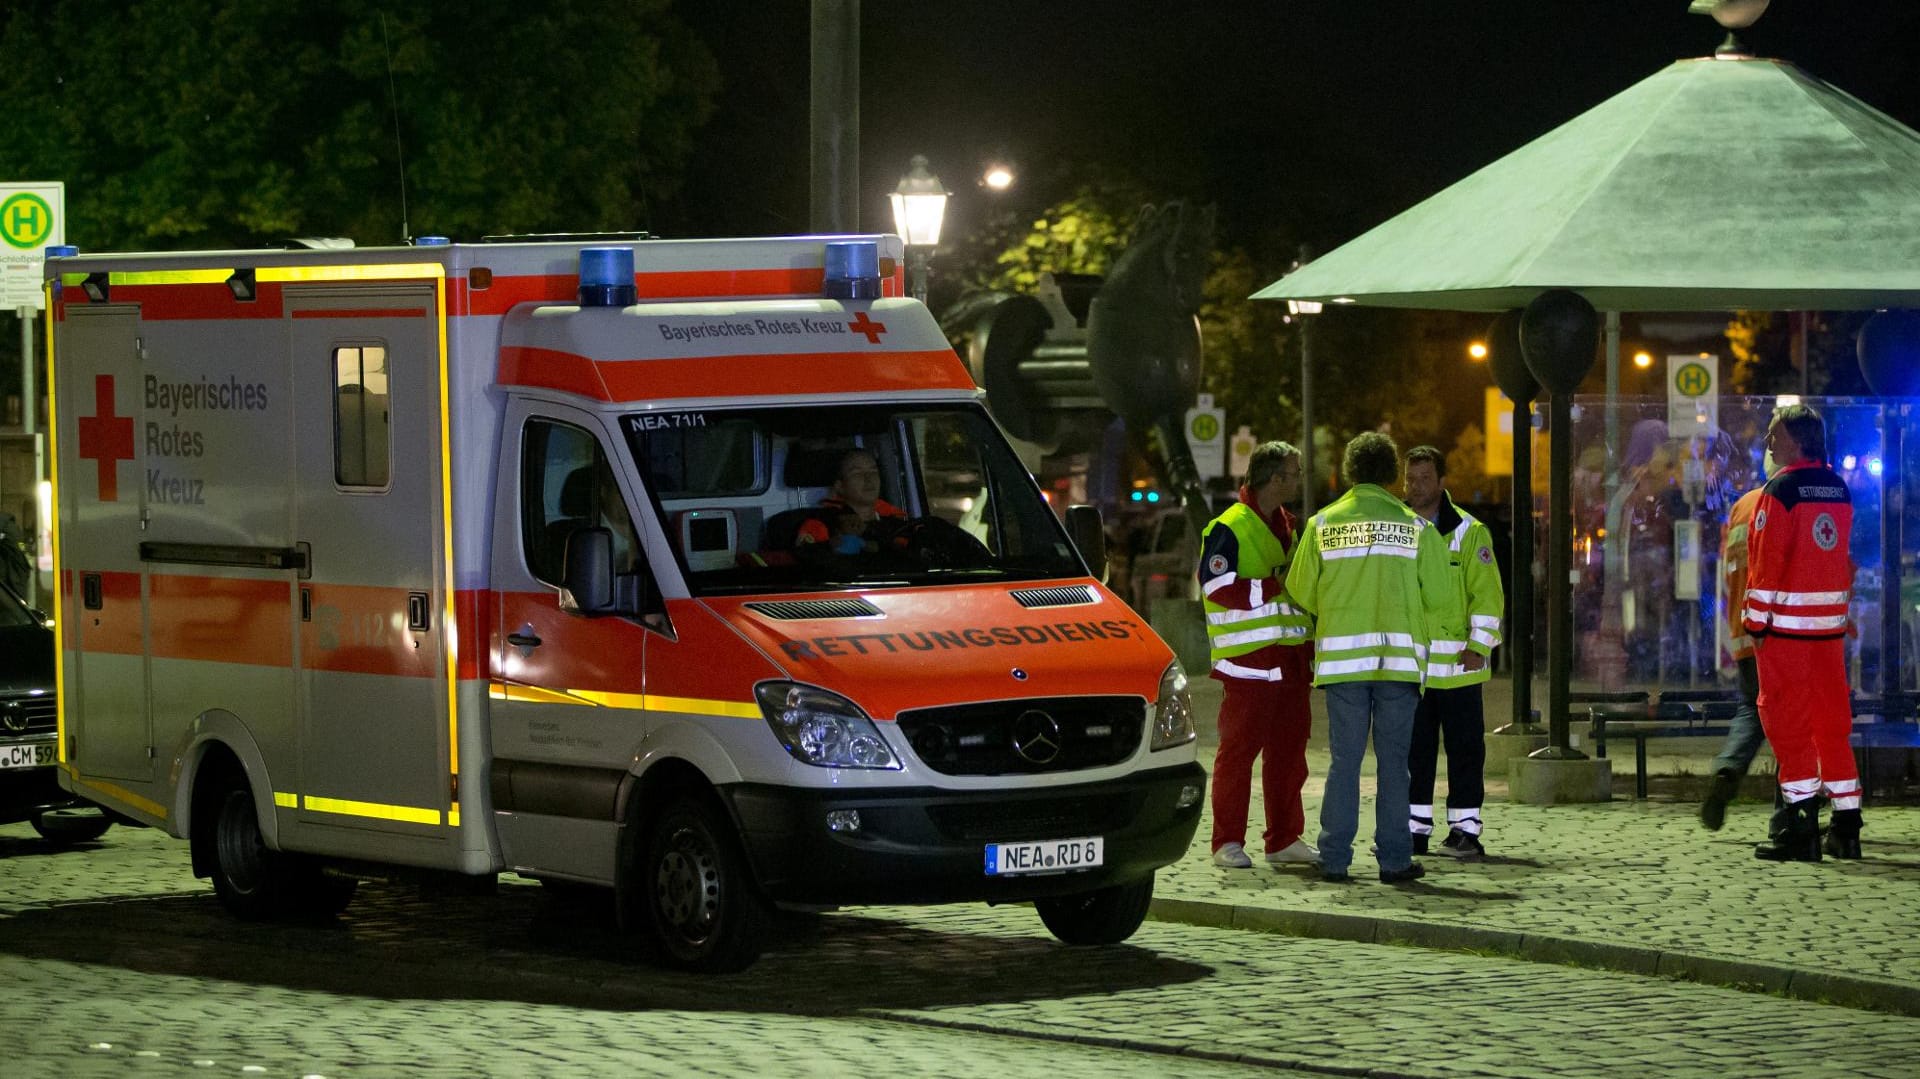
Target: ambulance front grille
1059	734
24	715
1002	821
797	610
1078	595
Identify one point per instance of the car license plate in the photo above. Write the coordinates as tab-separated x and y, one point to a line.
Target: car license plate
27	755
1046	856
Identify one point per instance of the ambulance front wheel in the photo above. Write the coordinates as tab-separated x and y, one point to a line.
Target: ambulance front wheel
702	905
1102	916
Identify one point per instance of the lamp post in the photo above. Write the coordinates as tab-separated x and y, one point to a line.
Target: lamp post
1303	312
919	202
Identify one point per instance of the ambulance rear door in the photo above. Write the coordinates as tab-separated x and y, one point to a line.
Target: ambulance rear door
102	510
370	516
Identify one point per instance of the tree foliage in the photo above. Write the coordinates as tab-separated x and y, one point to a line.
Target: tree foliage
213	123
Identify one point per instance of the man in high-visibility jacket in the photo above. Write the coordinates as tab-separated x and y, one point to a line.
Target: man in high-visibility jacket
1374	577
1457	666
1744	736
1799	578
1255	640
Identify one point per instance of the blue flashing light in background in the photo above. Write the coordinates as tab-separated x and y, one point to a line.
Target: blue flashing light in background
1848	462
1873	466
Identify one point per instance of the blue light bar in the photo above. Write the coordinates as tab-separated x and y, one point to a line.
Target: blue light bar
606	277
62	251
431	241
853	270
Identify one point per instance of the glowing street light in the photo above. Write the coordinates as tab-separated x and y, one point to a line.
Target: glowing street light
1477	350
1643	359
919	204
997	177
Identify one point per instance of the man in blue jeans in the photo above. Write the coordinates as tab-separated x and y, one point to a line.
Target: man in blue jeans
1375	578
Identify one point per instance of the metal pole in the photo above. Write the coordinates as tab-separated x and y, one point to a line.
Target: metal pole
1306	416
1520	633
835	136
1559	588
28	392
1893	421
919	266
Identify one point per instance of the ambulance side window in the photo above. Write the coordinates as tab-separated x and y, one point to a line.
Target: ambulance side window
360	416
567	483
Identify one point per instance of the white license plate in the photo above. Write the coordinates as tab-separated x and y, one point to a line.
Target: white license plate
27	755
1046	856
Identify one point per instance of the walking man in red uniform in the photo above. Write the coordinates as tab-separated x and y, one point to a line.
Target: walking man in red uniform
1799	578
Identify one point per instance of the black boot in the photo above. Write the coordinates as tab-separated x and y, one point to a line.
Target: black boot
1713	811
1843	836
1794	834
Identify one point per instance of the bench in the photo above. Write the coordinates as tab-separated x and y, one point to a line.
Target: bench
1703	714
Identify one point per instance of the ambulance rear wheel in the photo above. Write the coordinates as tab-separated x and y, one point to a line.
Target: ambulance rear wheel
253	881
702	905
1102	916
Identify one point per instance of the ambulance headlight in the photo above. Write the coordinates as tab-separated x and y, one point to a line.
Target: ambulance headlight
1173	712
822	728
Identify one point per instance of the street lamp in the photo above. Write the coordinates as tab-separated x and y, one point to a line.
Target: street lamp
1303	312
919	202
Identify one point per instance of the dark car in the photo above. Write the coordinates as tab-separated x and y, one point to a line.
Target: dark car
28	790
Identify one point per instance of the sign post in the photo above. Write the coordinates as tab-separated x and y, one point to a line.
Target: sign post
1693	395
1207	438
32	218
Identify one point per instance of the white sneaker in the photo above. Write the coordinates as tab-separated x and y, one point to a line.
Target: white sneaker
1296	854
1232	856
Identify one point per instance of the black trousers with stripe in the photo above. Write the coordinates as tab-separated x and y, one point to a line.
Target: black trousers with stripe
1455	714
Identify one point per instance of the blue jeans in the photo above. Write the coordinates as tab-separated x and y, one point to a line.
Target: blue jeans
1744	736
1353	710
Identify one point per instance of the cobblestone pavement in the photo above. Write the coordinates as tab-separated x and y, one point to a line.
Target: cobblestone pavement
1635	886
115	962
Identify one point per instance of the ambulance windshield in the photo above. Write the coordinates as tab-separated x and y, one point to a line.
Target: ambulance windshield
799	499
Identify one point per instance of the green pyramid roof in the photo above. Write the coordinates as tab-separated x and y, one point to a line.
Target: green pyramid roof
1714	184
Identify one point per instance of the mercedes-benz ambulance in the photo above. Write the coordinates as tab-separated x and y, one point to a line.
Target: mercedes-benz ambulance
484	558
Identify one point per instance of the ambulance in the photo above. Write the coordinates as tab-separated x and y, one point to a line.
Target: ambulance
522	557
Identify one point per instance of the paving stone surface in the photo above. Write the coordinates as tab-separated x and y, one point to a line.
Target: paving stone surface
1633	885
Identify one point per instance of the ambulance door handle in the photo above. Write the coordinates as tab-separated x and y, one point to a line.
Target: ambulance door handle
306	605
524	640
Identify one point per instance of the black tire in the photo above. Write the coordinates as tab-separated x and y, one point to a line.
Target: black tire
1102	916
705	911
252	880
66	827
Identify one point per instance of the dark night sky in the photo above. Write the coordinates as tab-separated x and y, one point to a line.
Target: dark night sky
1301	119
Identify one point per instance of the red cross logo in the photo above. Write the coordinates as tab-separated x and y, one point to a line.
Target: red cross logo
862	324
1826	534
106	438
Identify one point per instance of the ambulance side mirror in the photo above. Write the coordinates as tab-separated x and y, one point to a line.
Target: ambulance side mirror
587	574
1090	536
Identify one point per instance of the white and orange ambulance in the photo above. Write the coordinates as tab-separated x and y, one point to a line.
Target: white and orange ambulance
512	557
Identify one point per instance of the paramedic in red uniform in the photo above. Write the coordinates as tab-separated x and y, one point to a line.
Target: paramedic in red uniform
1799	577
1258	643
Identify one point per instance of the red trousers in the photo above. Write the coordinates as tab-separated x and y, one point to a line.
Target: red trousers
1807	712
1270	720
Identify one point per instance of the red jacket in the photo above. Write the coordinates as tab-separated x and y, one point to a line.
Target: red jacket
1799	572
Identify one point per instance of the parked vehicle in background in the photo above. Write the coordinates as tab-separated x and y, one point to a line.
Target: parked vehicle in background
28	789
1165	560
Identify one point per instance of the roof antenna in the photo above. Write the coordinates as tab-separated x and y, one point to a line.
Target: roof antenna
399	150
1734	15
